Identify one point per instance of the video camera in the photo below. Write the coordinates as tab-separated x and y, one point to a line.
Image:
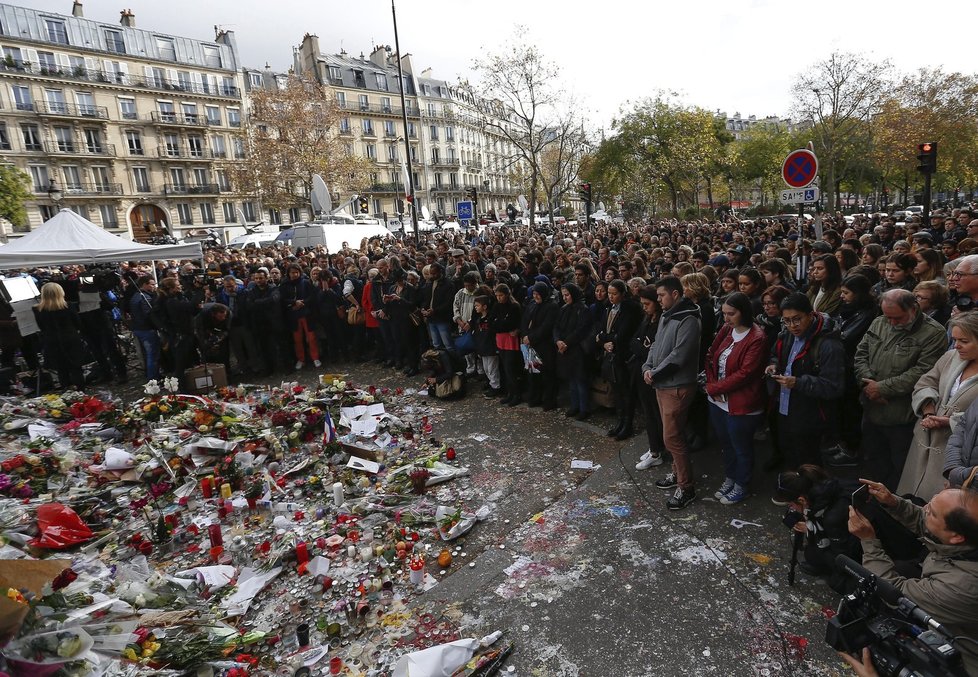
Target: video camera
903	639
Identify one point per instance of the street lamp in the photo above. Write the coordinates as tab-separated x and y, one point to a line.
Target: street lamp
407	143
55	194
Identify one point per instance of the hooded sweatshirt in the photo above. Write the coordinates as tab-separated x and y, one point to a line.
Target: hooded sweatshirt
674	356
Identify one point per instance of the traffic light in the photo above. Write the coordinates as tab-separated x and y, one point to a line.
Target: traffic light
364	205
400	206
472	194
927	155
585	191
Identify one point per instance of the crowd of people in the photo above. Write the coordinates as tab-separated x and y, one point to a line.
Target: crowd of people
855	347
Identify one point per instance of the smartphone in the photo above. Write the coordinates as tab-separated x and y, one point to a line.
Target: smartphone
860	498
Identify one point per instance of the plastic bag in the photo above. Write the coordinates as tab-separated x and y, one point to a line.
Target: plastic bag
531	359
59	527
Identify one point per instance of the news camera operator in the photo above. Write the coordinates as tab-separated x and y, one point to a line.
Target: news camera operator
948	586
212	328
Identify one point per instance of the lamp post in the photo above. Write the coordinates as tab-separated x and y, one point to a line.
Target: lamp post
407	142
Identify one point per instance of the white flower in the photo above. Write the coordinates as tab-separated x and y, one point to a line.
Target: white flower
172	384
152	388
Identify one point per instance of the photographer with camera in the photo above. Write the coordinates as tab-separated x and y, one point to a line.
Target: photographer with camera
212	327
948	586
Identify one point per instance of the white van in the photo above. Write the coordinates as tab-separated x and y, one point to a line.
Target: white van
253	240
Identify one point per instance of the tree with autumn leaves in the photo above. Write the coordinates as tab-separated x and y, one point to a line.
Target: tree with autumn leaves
292	133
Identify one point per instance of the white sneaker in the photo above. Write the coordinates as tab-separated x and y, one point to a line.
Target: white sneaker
317	363
648	460
300	365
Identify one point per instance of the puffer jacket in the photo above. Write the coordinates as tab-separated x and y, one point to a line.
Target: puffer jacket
896	357
820	373
948	585
674	356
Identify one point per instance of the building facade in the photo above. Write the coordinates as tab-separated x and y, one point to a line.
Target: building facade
451	152
134	128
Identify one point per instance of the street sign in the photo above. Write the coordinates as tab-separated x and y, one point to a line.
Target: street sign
799	196
800	168
464	210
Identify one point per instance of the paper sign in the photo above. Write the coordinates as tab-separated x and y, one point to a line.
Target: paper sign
358	463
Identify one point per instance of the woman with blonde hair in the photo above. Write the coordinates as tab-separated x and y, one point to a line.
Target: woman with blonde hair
60	336
940	398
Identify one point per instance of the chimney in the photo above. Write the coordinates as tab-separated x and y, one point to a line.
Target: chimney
128	19
378	57
77	10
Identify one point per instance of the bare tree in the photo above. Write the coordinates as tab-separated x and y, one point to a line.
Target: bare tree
839	95
519	94
291	134
560	160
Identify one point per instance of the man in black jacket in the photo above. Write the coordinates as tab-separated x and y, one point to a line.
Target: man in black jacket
435	302
264	319
211	329
176	316
143	324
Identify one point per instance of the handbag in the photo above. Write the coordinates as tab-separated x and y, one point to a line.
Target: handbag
531	359
465	343
355	316
417	319
609	367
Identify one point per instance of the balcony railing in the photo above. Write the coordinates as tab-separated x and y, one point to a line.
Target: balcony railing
123	79
186	189
88	189
445	162
162	118
386	188
72	148
181	153
71	110
380	109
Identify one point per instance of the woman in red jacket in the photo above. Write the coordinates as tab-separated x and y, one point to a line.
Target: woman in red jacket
735	388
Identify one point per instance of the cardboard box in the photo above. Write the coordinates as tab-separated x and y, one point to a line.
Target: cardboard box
204	378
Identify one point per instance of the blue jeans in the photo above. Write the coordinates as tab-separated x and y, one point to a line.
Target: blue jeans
150	342
736	435
441	335
580	394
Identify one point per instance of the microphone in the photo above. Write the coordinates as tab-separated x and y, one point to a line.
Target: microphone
891	595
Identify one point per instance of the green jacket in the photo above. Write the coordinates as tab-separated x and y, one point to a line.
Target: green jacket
948	586
897	357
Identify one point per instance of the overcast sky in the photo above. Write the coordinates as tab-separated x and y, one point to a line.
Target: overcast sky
732	56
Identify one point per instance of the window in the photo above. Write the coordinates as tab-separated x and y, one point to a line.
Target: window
190	112
453	180
47	212
207	212
4	139
127	109
213	116
171	143
295	215
412	131
72	177
239	151
434	132
426	90
32	137
230	215
110	219
195	145
202	177
376	204
432	110
234	117
435	156
22	97
212	57
114	41
335	73
438	181
166	48
364	102
185	213
183	82
118	72
13	56
218	147
56	31
385	104
167	112
228	88
56	100
389	129
223	181
371	151
159	78
86	104
274	217
392	153
81	210
140	179
381	81
134	142
256	80
368	127
344	125
47	63
341	99
39	177
93	141
63	137
100	179
449	133
248	208
178	179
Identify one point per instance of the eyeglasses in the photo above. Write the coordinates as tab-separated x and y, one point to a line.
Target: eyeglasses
769	304
958	273
793	321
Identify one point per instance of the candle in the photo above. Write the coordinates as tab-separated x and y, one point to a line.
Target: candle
417	570
207	487
351	551
301	553
226	490
215	536
366	552
338	493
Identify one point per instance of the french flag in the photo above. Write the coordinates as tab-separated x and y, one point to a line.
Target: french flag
330	432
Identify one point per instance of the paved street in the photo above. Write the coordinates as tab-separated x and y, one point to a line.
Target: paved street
590	575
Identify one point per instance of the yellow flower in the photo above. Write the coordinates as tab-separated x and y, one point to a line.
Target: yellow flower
130	654
56	413
164	408
147	408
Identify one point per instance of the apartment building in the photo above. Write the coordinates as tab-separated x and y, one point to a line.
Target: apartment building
450	150
134	128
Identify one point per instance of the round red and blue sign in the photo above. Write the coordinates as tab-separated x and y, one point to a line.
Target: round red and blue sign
800	168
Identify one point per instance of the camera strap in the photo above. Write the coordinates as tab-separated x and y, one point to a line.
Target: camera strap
971	476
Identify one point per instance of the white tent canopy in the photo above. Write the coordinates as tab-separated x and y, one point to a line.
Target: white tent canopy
69	238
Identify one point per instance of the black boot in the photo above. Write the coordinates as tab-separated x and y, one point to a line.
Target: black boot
613	432
626	429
